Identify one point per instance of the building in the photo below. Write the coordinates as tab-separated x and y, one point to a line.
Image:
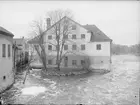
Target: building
83	42
21	43
22	47
6	59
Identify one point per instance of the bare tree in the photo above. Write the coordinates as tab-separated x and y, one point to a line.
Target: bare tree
37	31
61	30
30	60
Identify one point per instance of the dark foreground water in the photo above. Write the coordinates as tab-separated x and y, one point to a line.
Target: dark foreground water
119	87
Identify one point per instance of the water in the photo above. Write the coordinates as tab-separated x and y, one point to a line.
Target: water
119	87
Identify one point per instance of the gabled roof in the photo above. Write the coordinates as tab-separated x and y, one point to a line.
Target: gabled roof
97	34
5	32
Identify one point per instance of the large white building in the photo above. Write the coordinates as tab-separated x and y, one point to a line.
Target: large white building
6	59
83	41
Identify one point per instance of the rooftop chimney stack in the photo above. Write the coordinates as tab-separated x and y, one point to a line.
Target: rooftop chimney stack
48	22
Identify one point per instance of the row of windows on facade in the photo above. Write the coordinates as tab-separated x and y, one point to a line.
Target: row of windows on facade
74	62
66	36
4	50
74	47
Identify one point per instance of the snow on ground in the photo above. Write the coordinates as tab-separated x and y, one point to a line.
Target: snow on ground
34	90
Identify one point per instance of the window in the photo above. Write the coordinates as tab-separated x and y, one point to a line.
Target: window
98	46
49	47
9	51
50	62
66	61
4	77
73	47
82	36
74	62
83	47
3	50
65	47
82	62
66	58
66	37
74	36
73	27
50	37
19	44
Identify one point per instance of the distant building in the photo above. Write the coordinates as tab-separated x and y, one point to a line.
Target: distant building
6	59
83	41
21	44
21	47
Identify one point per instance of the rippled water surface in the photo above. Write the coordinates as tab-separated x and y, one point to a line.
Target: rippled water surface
118	87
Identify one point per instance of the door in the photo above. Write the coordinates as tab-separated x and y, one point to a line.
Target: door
66	61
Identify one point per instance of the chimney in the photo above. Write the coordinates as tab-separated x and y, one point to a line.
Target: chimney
48	22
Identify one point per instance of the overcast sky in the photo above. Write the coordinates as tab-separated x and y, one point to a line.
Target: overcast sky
120	20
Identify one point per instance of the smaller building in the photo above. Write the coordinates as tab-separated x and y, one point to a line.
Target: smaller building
21	44
21	48
6	59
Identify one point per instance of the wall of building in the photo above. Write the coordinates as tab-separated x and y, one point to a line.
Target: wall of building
6	64
78	41
96	56
91	49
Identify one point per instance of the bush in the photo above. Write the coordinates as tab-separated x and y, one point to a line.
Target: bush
87	64
22	62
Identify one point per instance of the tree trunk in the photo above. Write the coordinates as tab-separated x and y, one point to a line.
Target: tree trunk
26	74
58	65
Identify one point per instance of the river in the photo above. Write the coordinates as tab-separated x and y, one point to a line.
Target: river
118	87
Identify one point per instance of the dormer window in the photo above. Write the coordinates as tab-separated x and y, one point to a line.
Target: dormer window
73	27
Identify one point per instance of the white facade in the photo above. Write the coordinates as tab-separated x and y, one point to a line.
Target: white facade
91	49
6	62
99	52
96	56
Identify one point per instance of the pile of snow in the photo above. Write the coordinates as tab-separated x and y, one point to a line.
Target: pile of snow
34	90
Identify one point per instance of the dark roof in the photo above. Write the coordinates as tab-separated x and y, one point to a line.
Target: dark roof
97	34
5	32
